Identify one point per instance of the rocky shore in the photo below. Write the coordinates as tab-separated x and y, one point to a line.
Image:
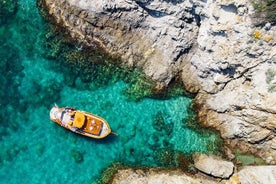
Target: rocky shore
246	175
213	46
212	170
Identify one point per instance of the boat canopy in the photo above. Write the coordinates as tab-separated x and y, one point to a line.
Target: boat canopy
79	120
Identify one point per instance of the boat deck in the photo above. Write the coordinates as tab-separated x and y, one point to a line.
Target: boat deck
93	125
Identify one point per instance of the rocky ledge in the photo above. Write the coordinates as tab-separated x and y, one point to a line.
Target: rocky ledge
153	176
246	175
214	47
211	170
213	166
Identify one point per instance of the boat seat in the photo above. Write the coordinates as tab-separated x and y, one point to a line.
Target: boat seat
96	127
70	123
79	120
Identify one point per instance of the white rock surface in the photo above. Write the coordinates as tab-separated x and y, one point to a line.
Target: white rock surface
128	176
257	175
245	175
213	165
236	72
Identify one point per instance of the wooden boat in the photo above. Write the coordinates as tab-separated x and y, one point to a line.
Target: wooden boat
80	122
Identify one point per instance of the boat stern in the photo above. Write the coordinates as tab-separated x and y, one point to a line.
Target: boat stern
55	114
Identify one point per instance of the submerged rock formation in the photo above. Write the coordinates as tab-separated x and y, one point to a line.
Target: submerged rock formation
8	8
213	45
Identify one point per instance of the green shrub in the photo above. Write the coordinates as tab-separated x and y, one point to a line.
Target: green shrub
265	11
270	77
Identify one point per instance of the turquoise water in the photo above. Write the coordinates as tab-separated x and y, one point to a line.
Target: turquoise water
36	150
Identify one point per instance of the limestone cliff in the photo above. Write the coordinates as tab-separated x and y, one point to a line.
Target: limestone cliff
234	65
153	35
213	45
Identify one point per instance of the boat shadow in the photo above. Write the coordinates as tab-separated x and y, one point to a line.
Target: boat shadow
107	140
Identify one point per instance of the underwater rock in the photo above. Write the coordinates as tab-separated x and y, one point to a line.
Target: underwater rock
213	165
10	152
40	149
160	125
8	8
11	67
158	121
77	156
185	163
165	157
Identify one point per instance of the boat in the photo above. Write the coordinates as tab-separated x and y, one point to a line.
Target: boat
80	122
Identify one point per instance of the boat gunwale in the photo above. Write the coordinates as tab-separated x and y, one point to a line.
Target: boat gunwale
80	131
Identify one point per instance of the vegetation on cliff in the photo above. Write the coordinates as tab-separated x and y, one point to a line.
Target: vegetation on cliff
270	79
265	11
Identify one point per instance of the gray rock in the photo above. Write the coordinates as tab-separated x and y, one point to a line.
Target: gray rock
246	109
154	35
257	175
213	165
152	176
238	99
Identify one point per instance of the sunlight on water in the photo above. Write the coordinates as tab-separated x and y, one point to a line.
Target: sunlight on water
36	150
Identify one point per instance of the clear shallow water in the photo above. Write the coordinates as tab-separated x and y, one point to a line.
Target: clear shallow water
36	150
